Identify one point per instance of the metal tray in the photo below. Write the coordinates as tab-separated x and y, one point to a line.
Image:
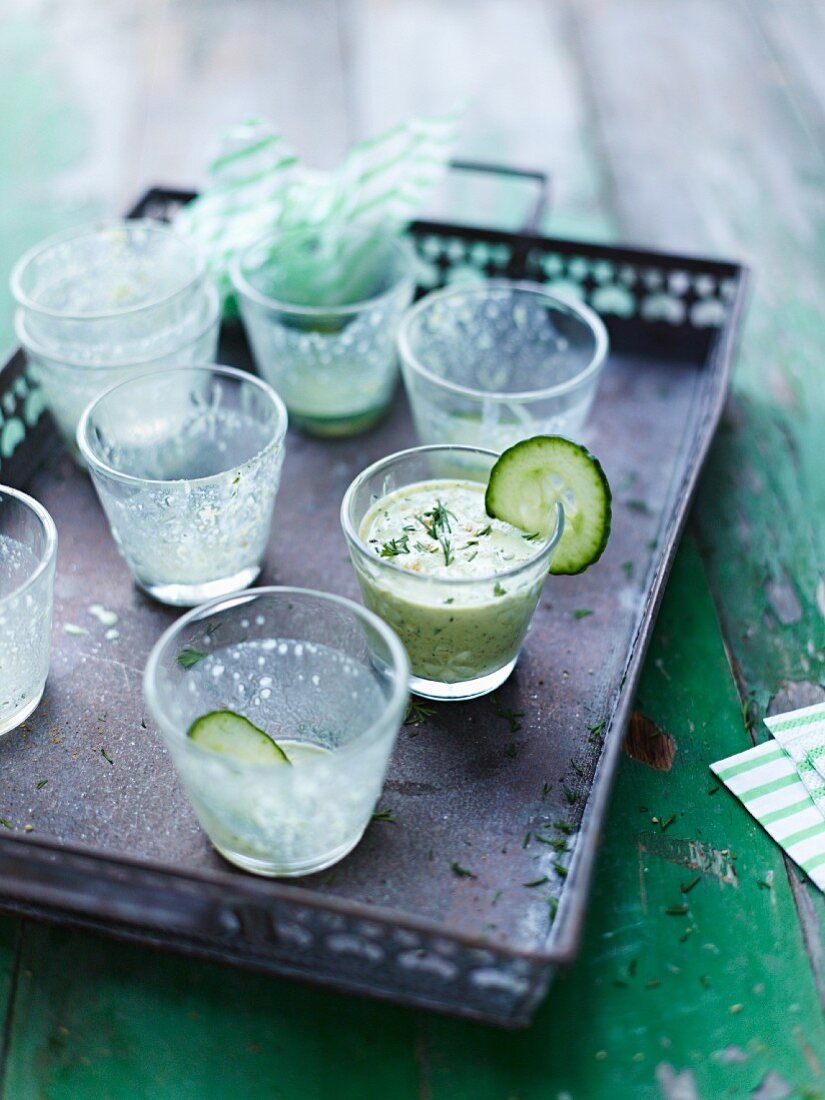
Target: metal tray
110	843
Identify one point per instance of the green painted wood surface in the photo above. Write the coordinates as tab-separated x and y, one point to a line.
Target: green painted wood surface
691	126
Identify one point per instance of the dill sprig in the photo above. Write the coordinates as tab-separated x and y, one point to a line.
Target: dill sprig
436	522
395	547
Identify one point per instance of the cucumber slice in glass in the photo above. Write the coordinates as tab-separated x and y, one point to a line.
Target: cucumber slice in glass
531	477
231	734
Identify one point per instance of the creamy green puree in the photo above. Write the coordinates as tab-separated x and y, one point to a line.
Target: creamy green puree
449	592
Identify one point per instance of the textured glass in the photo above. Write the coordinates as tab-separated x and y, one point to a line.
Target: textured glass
463	635
72	379
322	320
187	464
488	365
315	672
28	548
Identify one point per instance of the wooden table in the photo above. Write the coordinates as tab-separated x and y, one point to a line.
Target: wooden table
694	126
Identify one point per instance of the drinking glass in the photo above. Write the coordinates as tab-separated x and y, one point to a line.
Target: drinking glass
187	464
28	549
103	302
493	363
463	634
321	308
316	672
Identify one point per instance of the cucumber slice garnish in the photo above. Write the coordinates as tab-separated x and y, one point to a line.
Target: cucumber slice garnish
231	734
530	478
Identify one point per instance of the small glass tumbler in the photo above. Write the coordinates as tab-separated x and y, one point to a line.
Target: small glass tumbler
71	379
463	634
187	464
321	308
493	363
319	674
28	550
112	289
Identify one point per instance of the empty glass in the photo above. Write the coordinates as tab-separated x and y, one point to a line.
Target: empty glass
187	464
320	675
28	550
490	364
321	309
103	302
69	384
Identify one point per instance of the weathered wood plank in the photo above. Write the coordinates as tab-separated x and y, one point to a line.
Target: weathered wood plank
743	178
795	35
509	64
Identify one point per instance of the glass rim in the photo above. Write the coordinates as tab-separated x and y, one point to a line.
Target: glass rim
91	229
243	286
545	550
400	663
584	312
50	549
98	465
30	345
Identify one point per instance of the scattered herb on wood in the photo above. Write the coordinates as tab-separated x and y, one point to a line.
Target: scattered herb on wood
597	729
189	656
563	827
571	796
106	756
462	872
41	783
576	767
560	869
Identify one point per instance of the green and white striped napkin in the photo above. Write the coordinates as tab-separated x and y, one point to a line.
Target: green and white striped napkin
257	184
782	783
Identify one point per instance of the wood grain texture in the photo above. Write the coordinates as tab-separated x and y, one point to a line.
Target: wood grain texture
743	178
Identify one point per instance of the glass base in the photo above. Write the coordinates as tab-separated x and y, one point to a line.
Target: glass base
331	427
464	689
274	869
20	716
191	595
